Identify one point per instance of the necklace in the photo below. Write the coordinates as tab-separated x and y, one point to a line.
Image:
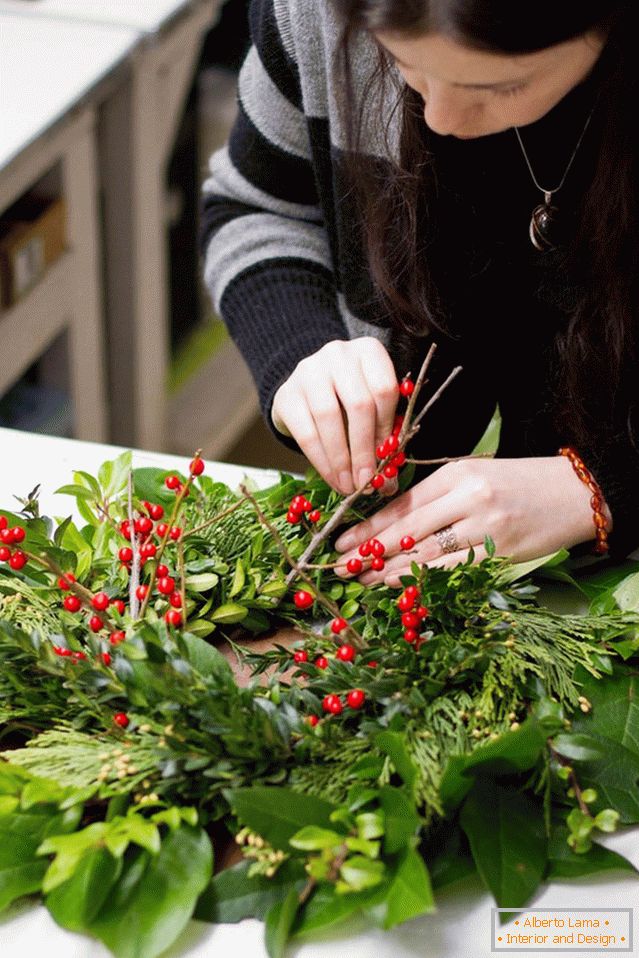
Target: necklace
545	215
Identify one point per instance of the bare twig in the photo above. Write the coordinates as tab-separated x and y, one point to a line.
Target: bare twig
134	581
182	580
444	459
323	600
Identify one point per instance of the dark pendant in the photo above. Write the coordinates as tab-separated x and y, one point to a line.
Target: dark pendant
543	225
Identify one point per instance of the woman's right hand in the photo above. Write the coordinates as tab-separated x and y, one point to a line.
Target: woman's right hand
338	405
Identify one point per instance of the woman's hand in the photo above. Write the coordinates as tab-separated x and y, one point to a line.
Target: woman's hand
338	404
529	508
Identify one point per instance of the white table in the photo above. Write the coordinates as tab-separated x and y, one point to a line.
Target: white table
148	16
461	927
48	73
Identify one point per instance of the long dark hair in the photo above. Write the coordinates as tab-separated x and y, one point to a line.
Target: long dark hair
596	349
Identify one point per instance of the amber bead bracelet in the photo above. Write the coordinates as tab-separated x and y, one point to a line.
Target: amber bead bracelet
596	501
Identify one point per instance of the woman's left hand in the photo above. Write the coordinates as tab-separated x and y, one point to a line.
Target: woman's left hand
529	507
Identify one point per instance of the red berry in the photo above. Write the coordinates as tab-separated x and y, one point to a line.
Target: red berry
338	625
308	505
116	637
312	720
148	550
79	655
96	623
59	650
377	564
119	605
382	450
172	482
407	387
125	529
100	601
404	603
333	704
106	658
372	664
18	534
354	566
392	443
174	533
5	553
397	425
300	656
411	635
410	620
156	511
64	582
72	603
141	592
161	529
6	537
390	471
303	600
377	481
144	525
365	549
406	543
421	611
176	600
355	699
293	517
173	617
125	554
121	719
411	591
3	523
162	570
196	466
377	548
399	459
296	504
18	560
345	653
321	662
166	585
314	515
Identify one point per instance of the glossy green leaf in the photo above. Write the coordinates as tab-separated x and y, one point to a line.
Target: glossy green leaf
563	862
77	901
393	744
311	838
232	896
278	813
229	613
506	833
578	747
401	821
279	922
360	872
409	893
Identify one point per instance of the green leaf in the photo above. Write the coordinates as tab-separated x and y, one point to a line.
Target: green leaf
72	541
78	492
232	896
578	748
563	862
349	609
359	872
518	570
205	658
614	724
449	860
77	901
489	442
393	744
239	578
229	613
507	838
370	824
155	896
626	594
311	838
401	821
279	922
409	894
327	908
203	582
278	813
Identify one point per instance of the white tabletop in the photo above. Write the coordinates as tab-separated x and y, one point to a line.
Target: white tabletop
148	16
460	928
47	67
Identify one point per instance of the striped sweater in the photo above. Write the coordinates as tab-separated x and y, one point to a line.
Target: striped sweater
287	272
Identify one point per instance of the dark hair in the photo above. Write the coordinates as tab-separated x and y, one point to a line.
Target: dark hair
596	350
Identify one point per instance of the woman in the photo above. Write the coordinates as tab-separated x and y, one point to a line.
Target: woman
403	171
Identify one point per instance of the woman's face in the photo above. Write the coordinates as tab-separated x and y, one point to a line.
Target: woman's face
469	93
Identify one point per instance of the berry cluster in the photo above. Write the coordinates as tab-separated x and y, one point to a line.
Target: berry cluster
299	507
413	615
8	537
333	703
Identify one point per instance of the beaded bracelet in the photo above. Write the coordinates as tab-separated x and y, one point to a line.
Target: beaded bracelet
596	501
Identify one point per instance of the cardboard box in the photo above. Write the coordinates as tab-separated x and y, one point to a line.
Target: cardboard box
32	237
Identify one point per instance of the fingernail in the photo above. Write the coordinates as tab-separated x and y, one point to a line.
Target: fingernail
345	482
344	543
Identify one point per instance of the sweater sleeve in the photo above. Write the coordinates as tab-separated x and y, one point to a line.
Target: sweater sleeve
267	262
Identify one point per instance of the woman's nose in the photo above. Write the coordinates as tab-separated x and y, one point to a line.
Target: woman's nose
445	112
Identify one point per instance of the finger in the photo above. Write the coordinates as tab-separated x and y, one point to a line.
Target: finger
302	426
329	424
466	531
379	373
399	513
450	561
354	395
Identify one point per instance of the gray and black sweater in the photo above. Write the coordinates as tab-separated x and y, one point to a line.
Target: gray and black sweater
287	272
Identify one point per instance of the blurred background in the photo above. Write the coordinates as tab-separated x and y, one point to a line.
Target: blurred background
109	111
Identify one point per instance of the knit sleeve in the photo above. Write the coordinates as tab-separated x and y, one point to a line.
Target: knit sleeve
267	261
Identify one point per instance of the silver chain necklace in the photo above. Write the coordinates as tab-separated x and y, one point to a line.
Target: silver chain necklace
544	215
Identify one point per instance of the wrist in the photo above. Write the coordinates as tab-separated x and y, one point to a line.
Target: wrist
595	519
